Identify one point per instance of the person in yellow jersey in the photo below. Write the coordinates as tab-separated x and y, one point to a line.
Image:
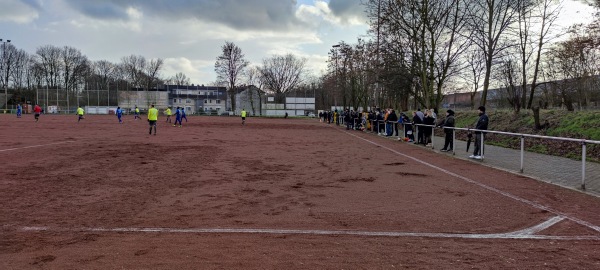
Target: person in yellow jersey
79	114
243	114
168	114
136	113
152	118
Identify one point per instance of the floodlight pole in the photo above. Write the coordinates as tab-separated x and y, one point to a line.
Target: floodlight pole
5	83
337	75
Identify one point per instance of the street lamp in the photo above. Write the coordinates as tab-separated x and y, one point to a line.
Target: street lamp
2	67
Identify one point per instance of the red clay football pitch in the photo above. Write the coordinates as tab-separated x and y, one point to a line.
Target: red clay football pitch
272	194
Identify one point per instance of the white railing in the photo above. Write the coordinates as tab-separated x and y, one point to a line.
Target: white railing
522	136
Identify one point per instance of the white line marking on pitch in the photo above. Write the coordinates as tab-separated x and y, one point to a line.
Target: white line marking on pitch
523	234
504	193
33	146
540	227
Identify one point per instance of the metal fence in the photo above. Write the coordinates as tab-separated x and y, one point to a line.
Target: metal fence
577	173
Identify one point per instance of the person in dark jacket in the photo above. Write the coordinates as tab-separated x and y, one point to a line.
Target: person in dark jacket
406	126
347	119
428	131
379	122
482	124
448	124
418	129
391	122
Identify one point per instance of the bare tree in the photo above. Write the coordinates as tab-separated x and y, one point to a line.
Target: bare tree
510	78
8	59
476	69
134	67
20	68
430	34
547	12
74	68
48	58
575	64
490	21
254	78
281	73
230	66
180	79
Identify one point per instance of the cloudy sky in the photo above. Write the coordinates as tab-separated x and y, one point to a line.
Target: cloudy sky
188	34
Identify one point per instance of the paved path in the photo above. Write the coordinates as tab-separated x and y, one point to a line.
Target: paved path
556	170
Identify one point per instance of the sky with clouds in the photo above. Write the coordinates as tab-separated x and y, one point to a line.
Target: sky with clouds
188	34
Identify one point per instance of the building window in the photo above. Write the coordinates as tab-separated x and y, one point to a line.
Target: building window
205	101
174	100
218	101
188	101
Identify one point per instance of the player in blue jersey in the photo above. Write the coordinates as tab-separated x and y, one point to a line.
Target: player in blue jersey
119	114
177	117
183	114
19	111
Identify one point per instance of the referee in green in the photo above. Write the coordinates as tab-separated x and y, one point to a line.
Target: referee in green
152	118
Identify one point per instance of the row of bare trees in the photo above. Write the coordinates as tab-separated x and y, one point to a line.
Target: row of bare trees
278	74
423	48
70	73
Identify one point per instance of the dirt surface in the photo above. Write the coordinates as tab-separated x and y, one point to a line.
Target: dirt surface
273	194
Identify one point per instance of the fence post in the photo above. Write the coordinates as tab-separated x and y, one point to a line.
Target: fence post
416	133
481	146
583	154
432	136
522	151
453	141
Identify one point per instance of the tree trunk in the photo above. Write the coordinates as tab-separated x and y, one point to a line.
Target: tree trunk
232	98
536	117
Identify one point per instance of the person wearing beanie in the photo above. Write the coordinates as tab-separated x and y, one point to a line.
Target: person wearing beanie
448	126
482	124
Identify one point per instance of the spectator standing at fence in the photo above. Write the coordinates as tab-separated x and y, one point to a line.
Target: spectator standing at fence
37	110
420	114
379	122
152	118
393	123
433	112
183	114
419	130
448	124
482	124
336	117
406	127
119	114
243	114
136	113
430	122
79	114
347	118
329	117
168	114
19	110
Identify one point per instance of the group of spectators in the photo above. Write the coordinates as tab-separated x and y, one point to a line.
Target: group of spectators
385	122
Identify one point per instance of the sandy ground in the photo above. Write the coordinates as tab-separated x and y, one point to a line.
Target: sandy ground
272	194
